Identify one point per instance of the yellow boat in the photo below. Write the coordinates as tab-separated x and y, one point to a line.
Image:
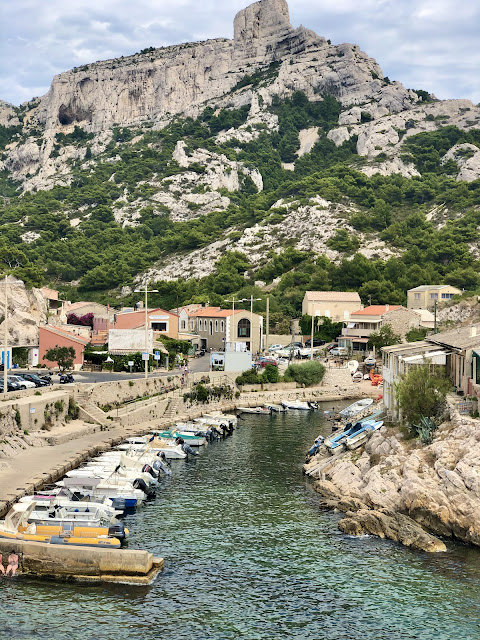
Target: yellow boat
16	527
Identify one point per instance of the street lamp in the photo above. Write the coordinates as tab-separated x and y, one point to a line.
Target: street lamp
146	291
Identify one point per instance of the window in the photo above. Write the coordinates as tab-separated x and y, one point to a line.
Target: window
434	296
159	326
216	326
346	315
183	324
416	296
211	327
447	296
243	328
222	326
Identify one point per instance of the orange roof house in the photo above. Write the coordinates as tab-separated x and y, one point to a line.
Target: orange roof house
51	337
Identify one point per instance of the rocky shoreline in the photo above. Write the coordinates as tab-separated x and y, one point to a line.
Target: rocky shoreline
398	488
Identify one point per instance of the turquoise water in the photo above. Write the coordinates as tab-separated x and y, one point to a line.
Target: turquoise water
250	555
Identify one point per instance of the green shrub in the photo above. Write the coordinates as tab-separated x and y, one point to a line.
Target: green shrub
307	373
250	376
271	373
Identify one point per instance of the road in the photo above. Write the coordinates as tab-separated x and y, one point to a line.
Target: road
195	365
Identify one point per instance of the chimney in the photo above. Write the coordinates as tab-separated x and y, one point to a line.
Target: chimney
387	308
473	332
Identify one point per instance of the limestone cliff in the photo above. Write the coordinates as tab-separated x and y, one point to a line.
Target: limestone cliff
435	486
27	309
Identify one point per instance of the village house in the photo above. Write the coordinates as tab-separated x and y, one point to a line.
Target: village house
221	329
458	350
336	305
51	337
397	361
364	322
425	296
161	322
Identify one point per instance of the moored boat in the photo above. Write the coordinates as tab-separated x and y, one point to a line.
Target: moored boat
17	527
356	408
297	404
259	410
276	408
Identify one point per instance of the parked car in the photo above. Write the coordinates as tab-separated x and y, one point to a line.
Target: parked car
275	347
316	342
11	386
339	351
23	384
263	361
32	377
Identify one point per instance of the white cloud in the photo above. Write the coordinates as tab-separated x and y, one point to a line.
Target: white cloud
428	44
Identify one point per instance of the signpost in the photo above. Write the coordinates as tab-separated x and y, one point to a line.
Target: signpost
130	364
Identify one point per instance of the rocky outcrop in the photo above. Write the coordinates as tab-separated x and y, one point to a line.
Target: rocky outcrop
27	309
436	486
394	526
467	157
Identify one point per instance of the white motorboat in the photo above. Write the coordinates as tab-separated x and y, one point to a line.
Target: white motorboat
276	408
156	445
296	404
111	489
259	410
355	408
47	505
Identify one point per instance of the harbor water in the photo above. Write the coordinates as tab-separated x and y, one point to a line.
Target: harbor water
249	554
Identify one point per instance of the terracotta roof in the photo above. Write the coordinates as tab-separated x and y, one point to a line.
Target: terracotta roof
376	310
215	312
328	296
66	334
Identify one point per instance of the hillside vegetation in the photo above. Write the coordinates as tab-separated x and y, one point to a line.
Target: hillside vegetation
110	225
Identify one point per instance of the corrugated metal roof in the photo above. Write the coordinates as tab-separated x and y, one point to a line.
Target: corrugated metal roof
460	338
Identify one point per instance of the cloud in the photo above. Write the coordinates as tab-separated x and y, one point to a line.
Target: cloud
427	44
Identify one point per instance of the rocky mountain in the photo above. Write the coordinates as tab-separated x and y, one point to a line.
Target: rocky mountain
209	125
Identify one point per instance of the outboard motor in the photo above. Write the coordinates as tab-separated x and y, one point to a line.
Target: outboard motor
118	530
163	458
119	504
159	466
186	448
179	440
148	469
139	483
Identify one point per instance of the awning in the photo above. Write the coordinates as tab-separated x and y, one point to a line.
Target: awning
354	339
350	325
432	357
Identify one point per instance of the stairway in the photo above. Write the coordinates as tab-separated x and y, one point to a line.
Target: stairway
90	412
172	408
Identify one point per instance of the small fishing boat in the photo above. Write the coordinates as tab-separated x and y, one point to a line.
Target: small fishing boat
276	408
356	408
297	404
17	527
121	488
259	410
355	440
140	445
190	438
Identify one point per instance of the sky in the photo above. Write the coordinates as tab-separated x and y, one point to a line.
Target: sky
425	44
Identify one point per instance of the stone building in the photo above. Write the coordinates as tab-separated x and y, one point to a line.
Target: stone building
370	320
425	296
336	305
220	329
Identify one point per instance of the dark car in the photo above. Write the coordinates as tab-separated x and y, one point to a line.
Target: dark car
11	386
316	342
32	377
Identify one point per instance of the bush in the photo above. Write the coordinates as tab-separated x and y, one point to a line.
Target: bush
248	377
271	373
308	373
421	394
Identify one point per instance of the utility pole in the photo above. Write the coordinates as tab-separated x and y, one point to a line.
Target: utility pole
147	291
267	320
435	316
5	343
